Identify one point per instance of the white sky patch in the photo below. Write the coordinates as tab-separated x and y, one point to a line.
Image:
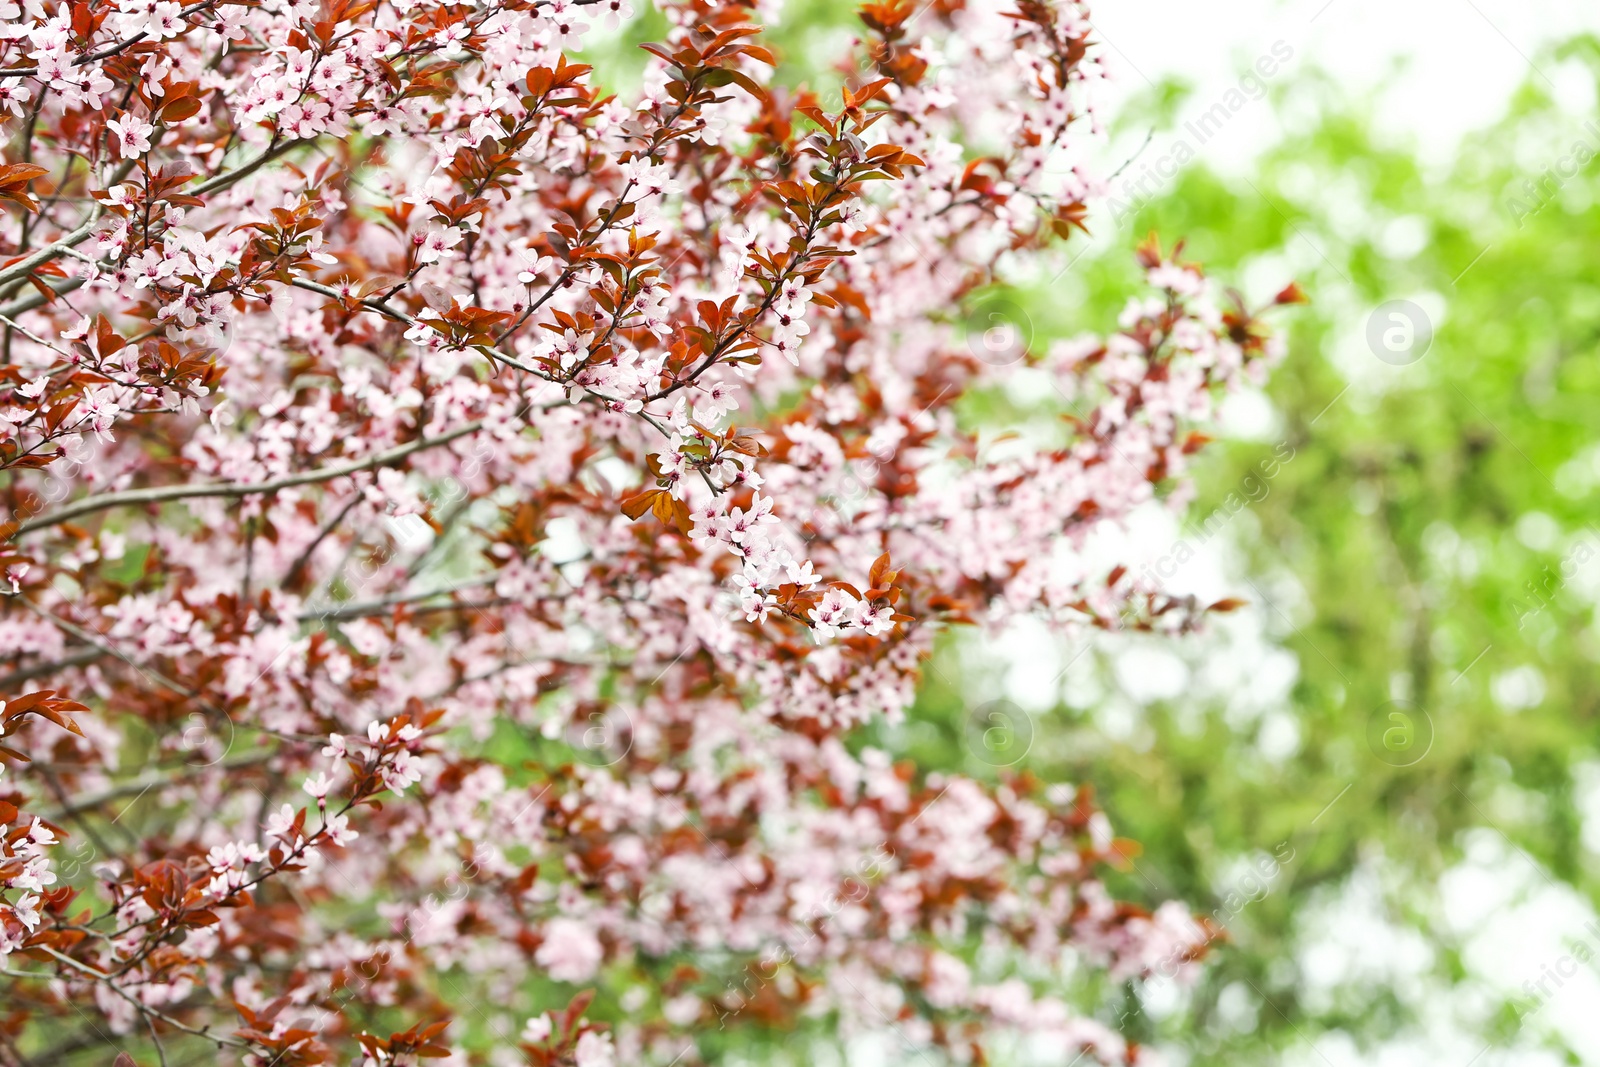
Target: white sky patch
1519	688
1147	672
1523	936
1441	68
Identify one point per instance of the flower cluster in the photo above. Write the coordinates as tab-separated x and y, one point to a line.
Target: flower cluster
455	516
26	871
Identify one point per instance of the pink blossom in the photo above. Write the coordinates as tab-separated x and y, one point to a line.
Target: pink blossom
132	136
602	694
570	952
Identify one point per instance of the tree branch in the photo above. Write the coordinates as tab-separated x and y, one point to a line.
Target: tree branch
163	493
134	786
23	267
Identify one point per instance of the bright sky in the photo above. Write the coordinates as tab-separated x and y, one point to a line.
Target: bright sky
1442	67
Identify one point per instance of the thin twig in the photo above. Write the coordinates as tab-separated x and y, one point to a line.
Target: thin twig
164	493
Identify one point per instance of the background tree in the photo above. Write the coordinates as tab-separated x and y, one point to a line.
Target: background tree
1401	887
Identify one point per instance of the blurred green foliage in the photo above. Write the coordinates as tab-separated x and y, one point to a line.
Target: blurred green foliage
1429	544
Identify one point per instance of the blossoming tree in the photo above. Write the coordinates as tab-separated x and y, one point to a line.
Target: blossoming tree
455	518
